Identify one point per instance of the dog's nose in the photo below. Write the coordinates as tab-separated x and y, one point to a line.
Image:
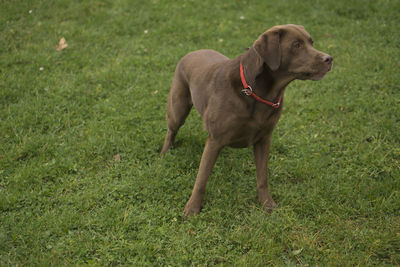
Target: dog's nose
327	59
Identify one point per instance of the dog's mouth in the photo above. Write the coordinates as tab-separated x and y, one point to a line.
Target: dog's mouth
316	76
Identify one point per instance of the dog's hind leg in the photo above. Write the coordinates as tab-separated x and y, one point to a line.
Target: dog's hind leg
179	104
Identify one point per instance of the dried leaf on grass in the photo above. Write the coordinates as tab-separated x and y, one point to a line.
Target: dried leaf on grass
61	45
191	232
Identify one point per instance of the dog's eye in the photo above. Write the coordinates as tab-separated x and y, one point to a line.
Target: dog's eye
297	44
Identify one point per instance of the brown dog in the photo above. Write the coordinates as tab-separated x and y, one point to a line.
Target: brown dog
240	100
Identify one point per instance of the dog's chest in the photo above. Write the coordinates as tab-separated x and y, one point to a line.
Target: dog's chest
254	128
263	117
260	124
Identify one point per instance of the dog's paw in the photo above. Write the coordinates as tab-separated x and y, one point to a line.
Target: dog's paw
269	205
191	210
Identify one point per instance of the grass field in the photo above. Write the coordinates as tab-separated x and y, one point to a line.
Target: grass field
81	180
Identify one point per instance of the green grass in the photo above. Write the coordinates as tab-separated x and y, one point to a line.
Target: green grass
64	199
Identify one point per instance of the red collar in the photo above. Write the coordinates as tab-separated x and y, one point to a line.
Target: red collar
249	91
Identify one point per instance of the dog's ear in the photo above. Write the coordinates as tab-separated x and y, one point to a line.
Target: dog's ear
252	64
265	50
269	49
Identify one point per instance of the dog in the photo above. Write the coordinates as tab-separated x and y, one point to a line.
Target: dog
240	100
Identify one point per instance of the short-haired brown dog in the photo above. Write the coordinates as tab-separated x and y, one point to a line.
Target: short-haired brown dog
240	100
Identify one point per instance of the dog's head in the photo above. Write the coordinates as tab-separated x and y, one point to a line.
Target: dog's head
289	50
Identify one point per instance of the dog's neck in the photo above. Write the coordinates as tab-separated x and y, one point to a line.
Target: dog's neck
266	83
270	84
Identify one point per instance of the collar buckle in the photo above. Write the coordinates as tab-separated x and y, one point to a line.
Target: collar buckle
276	105
247	91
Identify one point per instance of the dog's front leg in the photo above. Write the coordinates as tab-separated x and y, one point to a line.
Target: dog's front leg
210	154
261	154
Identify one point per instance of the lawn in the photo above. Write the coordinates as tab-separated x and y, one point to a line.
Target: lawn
81	179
